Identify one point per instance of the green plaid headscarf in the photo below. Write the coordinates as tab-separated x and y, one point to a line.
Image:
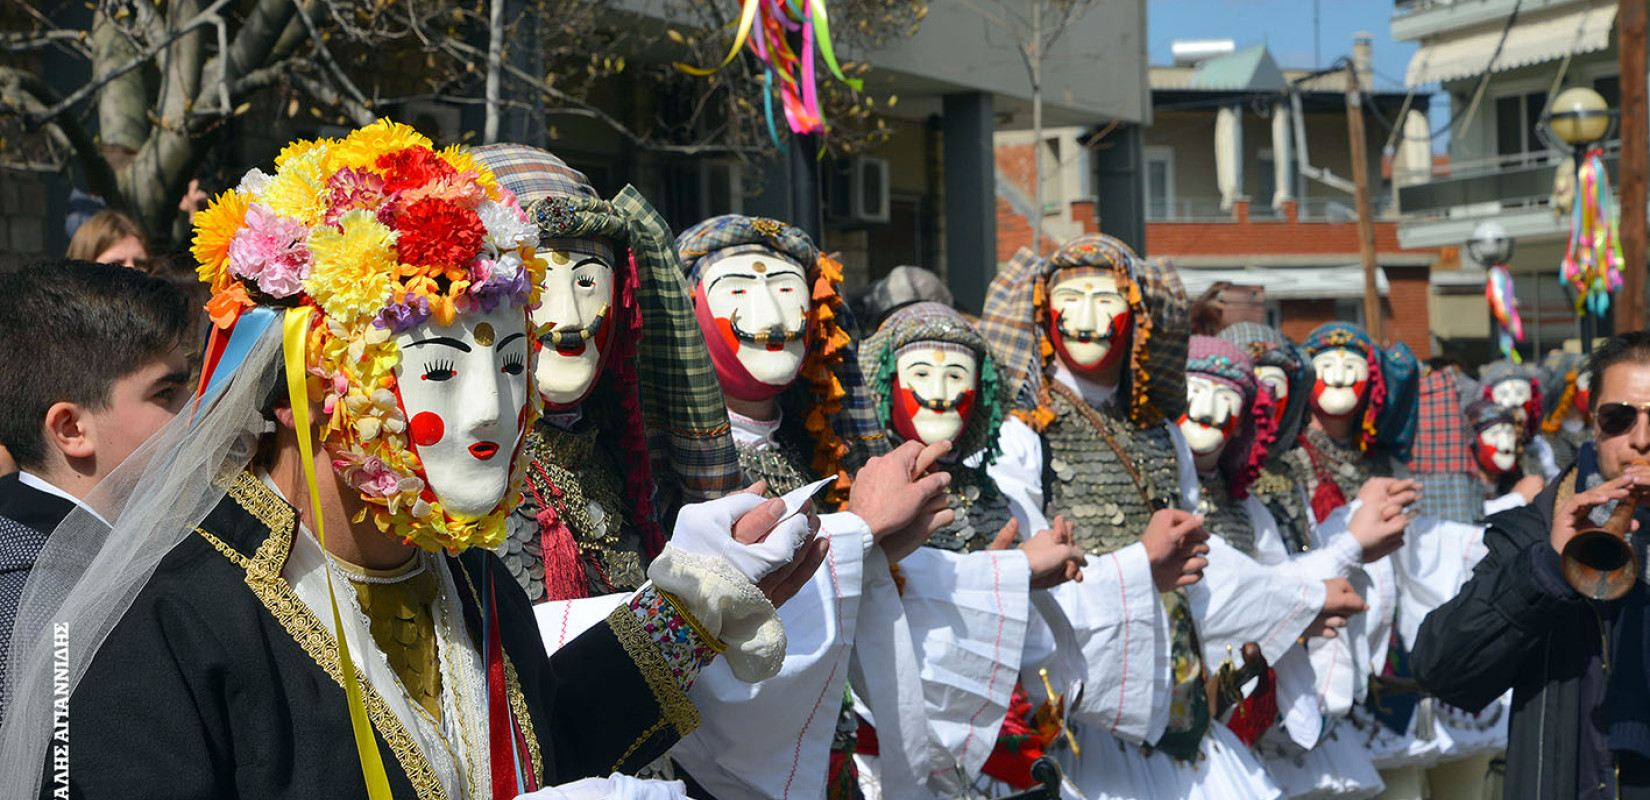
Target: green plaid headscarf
683	414
935	322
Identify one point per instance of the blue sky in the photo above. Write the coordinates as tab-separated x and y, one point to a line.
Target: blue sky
1285	26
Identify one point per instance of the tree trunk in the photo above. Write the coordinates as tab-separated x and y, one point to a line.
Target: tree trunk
123	104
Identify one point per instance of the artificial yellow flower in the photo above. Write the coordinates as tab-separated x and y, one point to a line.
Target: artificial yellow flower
300	149
298	190
215	227
353	268
460	159
361	149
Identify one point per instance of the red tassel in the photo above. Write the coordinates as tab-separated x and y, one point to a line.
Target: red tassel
1255	715
563	570
1326	498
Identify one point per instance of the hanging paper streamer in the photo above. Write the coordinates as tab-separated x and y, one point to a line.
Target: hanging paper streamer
1592	265
1498	290
767	27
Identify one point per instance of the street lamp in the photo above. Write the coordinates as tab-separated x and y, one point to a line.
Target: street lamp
1580	118
1492	247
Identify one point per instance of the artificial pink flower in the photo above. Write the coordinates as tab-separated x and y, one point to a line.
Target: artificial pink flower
270	251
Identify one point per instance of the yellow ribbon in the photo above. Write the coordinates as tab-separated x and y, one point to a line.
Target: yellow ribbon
366	743
747	16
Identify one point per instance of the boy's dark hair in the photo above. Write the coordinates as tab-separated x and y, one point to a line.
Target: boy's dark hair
1625	348
70	329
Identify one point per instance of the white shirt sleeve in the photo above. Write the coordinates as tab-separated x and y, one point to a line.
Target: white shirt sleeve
1018	473
1506	502
968	615
1119	634
1435	562
795	713
1241	600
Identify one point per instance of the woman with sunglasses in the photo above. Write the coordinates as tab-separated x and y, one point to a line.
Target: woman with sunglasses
1580	723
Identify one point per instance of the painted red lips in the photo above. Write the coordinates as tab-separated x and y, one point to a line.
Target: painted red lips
484	450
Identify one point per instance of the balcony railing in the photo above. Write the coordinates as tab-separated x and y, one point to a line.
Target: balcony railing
1307	209
1520	180
1187	209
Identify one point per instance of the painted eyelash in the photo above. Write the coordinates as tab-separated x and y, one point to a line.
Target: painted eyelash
440	366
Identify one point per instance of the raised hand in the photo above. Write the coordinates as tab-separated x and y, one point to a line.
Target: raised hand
1340	602
1379	524
901	503
1053	554
1175	545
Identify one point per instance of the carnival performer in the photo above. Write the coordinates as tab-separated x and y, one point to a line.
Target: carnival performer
1517	388
1096	340
767	305
968	599
634	424
1566	388
369	377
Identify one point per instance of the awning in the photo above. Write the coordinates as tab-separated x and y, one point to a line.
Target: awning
1533	39
1288	283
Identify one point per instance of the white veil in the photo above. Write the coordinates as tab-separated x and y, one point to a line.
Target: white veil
88	575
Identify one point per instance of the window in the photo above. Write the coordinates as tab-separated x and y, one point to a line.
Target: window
1350	309
1159	183
1516	117
1266	185
1610	89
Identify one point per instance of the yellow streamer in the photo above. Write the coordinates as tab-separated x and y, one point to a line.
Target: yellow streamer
747	16
366	743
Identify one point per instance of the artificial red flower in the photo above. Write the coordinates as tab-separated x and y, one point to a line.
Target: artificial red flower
411	167
438	233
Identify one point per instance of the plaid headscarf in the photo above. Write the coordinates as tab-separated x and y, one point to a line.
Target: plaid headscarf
1559	372
1267	347
682	416
1345	335
1481	415
1246	452
1395	425
1507	370
926	322
1015	322
830	395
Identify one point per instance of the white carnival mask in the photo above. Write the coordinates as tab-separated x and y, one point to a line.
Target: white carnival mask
1512	394
1088	311
1277	380
1212	412
1343	381
936	393
760	304
1498	445
464	389
576	303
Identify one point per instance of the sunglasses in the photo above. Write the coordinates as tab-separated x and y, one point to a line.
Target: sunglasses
1615	419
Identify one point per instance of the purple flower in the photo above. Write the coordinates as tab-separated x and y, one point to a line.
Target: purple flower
403	316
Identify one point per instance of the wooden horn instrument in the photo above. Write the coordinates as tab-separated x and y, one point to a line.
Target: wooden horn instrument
1598	562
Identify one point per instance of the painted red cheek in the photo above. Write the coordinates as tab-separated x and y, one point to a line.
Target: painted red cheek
965	404
427	428
725	326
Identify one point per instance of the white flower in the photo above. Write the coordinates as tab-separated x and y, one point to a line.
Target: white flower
506	230
253	183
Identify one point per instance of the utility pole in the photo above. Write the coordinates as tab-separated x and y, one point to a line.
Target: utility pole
1630	24
1036	60
1373	321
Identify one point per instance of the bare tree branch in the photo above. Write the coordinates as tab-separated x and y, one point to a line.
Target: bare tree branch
323	93
29	94
19	42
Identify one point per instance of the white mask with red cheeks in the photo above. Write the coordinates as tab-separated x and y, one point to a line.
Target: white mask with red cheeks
1498	448
464	389
753	309
1213	411
575	317
1343	382
934	391
1089	321
1277	380
1513	394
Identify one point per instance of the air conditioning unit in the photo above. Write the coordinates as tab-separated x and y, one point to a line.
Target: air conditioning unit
857	192
721	188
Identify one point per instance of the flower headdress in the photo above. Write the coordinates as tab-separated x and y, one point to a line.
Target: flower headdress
1246	452
928	324
373	234
1345	335
1016	316
835	410
1504	370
